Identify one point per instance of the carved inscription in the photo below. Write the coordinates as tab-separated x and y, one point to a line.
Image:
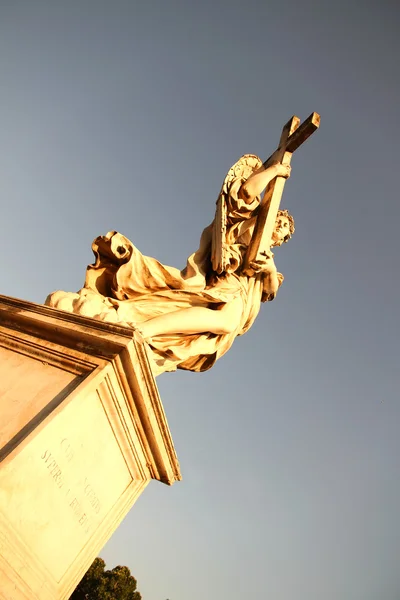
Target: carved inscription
57	467
53	468
92	497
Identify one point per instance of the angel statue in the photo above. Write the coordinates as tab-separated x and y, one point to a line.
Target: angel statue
189	318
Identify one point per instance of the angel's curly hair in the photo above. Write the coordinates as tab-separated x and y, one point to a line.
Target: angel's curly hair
286	213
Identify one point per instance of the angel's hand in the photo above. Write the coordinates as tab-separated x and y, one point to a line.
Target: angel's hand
265	264
283	170
257	266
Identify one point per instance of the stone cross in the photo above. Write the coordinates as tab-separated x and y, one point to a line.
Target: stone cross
293	135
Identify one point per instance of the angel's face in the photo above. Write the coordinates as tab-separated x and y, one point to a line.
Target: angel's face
282	229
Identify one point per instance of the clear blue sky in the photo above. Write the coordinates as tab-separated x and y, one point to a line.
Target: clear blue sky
126	115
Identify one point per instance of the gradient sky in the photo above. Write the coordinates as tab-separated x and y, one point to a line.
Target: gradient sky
126	115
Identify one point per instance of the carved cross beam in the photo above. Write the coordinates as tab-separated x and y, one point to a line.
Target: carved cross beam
293	135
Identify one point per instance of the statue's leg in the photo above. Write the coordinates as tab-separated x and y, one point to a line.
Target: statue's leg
196	319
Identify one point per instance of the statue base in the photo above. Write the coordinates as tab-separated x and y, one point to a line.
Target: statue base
83	431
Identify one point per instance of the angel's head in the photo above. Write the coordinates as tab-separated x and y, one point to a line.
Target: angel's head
284	228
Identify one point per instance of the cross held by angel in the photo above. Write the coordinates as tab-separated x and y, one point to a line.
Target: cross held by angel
190	318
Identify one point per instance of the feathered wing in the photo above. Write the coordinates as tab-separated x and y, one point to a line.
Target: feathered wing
242	169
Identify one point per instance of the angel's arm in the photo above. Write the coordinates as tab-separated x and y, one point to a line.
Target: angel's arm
271	283
256	183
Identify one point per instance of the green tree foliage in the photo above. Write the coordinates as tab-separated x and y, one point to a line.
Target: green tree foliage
99	584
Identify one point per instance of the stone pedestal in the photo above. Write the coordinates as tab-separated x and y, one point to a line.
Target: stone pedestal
82	433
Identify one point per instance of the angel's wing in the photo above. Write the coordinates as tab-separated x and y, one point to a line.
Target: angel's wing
242	169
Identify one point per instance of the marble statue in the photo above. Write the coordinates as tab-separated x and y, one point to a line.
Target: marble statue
190	318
